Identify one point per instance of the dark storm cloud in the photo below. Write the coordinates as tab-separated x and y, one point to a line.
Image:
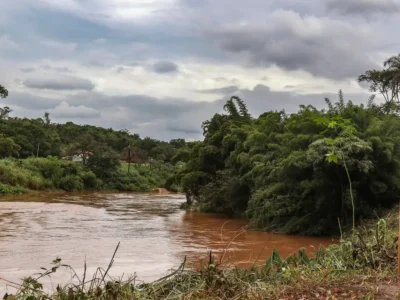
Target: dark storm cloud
59	83
224	90
293	35
163	67
363	7
30	101
320	46
144	107
183	128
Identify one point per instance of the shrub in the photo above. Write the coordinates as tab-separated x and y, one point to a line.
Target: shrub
71	183
8	189
89	180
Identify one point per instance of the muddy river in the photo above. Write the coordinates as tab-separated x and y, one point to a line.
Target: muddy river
155	235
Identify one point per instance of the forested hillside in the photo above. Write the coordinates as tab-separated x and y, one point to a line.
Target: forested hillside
308	172
36	154
40	137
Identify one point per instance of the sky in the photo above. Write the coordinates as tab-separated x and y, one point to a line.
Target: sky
161	67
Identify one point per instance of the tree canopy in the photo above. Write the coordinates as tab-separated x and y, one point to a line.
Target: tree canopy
385	82
3	92
302	172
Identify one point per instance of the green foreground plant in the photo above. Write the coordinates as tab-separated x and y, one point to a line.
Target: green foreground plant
342	133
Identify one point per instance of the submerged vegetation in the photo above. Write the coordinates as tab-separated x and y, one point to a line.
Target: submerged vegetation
360	268
304	172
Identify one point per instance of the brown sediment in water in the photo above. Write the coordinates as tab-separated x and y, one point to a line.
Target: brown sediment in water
155	235
162	191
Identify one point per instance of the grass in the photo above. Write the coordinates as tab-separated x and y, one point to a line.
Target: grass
364	268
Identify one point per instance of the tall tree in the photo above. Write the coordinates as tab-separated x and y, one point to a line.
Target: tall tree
46	118
386	82
4	112
237	109
3	92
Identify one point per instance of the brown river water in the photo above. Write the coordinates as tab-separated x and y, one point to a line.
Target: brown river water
155	235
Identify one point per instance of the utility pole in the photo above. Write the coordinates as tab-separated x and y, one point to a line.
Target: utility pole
37	151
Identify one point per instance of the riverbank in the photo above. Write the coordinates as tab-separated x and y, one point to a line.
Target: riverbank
54	174
363	266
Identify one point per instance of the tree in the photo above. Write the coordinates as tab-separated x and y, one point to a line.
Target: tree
277	169
237	109
386	82
8	147
4	112
178	143
104	162
46	118
3	92
83	146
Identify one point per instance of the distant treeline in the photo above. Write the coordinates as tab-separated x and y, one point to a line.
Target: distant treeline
36	154
304	172
23	138
52	173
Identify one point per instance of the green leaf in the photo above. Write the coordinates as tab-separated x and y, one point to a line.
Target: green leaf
332	124
321	120
330	141
332	157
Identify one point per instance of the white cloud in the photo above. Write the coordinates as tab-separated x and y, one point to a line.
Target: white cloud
115	11
7	43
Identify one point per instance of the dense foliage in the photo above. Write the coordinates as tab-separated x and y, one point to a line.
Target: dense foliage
52	173
35	155
296	173
22	138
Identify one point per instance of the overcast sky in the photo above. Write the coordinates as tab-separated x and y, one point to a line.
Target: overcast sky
161	67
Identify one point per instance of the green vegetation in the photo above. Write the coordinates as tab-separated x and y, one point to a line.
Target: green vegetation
3	92
310	172
364	268
36	154
24	138
302	172
52	173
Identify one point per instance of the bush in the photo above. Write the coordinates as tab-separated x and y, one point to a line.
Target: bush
71	183
89	179
52	173
8	189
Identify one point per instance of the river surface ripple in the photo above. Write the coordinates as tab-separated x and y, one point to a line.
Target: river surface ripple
155	235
